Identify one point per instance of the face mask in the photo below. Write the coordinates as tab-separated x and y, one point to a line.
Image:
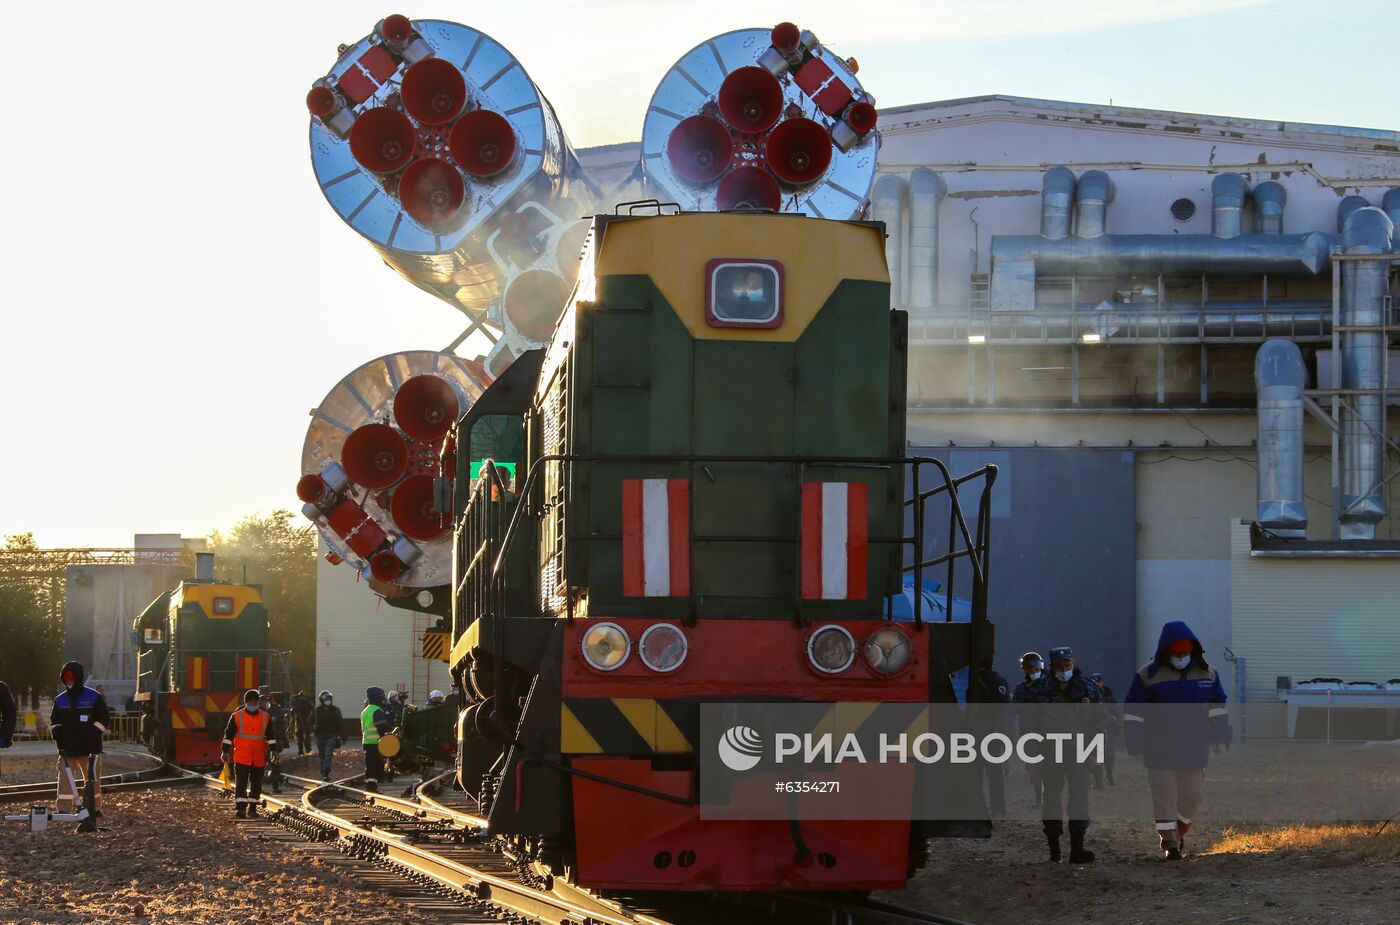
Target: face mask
326	701
1179	662
1065	675
251	708
1035	675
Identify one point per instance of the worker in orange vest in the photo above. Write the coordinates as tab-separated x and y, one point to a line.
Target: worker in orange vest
249	737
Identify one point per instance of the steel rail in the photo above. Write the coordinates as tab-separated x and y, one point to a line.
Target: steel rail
140	779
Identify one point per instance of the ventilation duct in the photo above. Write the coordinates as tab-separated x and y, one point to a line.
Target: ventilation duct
887	205
1364	287
1280	378
1227	195
1269	199
1056	197
1391	204
1346	207
926	191
1092	198
204	566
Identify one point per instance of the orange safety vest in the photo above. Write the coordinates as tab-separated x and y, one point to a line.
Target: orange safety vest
250	737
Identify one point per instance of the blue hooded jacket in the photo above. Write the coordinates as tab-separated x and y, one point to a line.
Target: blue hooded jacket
1172	716
79	717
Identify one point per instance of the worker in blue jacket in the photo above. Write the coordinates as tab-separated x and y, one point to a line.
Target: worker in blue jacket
1173	715
79	720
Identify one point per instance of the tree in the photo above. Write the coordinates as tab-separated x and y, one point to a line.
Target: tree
31	618
272	550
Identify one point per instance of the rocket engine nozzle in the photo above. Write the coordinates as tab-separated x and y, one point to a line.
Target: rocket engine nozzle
785	37
862	116
382	140
533	301
482	143
412	509
374	456
700	149
749	188
396	29
799	151
751	100
434	91
313	489
426	407
385	566
433	192
321	101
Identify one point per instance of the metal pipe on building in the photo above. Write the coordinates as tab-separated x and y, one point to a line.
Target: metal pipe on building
204	566
1367	230
1346	207
1280	377
926	191
887	205
1094	194
1269	199
1391	205
1056	198
1227	195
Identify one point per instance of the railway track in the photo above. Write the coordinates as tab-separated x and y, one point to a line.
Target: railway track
432	850
159	774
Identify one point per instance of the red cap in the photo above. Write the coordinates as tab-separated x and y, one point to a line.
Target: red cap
1181	647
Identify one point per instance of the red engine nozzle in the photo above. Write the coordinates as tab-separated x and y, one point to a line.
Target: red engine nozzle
434	91
382	140
861	116
785	37
396	29
374	456
321	101
751	100
412	509
482	143
700	149
425	408
432	191
799	151
533	301
748	188
312	489
385	566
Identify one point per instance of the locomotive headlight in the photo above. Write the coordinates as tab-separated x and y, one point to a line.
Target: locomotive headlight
606	646
831	648
887	651
663	647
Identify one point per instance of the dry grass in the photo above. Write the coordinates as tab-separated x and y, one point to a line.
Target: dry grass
1339	842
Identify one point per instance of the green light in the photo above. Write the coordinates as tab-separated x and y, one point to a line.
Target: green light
478	463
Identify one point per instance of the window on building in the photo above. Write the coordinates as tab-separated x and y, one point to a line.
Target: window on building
744	293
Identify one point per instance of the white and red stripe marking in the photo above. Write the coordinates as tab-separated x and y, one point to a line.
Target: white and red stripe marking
655	537
835	540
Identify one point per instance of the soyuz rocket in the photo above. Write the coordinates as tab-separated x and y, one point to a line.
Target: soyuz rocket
430	140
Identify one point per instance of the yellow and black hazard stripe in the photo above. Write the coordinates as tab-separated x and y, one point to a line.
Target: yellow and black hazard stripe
627	726
436	645
847	717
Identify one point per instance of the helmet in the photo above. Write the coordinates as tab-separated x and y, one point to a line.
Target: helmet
251	697
1031	659
435	697
325	695
1096	677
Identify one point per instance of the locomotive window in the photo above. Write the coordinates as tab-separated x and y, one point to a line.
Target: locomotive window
223	605
498	437
153	636
744	293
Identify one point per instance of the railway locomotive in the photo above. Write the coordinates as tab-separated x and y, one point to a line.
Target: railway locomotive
200	646
698	492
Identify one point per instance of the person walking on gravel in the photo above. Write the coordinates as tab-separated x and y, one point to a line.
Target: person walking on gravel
374	722
1174	713
301	717
79	720
1032	668
329	725
1075	702
249	737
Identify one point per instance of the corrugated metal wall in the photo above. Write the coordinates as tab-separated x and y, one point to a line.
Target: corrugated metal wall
361	641
1062	570
1309	618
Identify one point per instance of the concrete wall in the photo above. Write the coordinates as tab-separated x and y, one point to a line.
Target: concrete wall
361	641
100	603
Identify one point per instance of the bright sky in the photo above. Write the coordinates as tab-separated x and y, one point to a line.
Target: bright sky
177	295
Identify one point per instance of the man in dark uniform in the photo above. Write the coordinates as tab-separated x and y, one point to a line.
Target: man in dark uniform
79	720
301	715
277	717
1067	689
1032	667
1112	723
8	712
996	690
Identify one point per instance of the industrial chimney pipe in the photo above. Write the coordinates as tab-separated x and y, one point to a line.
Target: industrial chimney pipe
1364	287
1269	199
1280	378
1094	194
887	205
1391	205
1056	196
926	189
1227	195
